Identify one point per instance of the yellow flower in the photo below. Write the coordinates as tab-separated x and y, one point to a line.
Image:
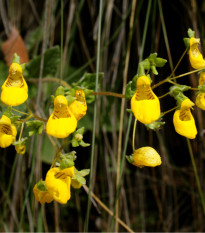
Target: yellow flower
7	132
202	79
183	120
42	196
144	103
58	183
62	122
14	91
146	156
20	149
195	57
200	101
79	106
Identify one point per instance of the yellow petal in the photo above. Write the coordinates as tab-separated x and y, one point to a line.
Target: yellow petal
200	101
7	132
146	156
195	57
79	106
42	196
58	184
183	120
145	111
62	122
202	79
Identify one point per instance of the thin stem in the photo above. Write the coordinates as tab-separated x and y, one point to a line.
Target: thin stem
172	109
133	135
108	210
162	96
94	117
61	72
20	135
179	76
196	174
107	93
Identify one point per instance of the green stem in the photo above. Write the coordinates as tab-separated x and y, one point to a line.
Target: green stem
94	118
196	174
133	135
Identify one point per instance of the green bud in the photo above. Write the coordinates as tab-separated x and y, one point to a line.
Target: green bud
41	185
59	91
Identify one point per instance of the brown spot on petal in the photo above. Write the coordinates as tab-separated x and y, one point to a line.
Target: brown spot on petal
14	44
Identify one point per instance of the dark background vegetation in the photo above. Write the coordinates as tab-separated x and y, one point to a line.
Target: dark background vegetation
164	198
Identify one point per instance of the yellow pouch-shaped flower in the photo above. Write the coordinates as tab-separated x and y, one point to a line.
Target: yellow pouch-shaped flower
146	156
183	120
202	79
195	57
62	122
7	132
58	183
79	106
200	101
42	196
144	103
14	91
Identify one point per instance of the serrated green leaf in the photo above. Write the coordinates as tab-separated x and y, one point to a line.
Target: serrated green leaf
35	126
14	118
51	63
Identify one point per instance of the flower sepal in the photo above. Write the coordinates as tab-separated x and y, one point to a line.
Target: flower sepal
66	160
156	125
78	180
41	185
130	158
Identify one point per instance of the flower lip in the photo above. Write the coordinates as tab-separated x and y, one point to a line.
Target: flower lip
194	41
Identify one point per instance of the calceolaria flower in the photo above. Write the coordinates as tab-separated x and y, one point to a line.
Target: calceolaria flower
200	101
183	120
43	196
195	57
79	106
202	79
145	156
7	132
144	103
61	122
58	183
14	91
20	149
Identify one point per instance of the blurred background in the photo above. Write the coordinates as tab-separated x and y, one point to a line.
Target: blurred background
160	199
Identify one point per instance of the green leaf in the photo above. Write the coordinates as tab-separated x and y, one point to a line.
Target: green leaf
66	163
35	127
160	62
70	99
130	159
156	125
75	143
191	33
59	91
41	185
187	42
20	142
51	63
129	92
84	172
8	112
16	58
83	144
88	81
154	71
